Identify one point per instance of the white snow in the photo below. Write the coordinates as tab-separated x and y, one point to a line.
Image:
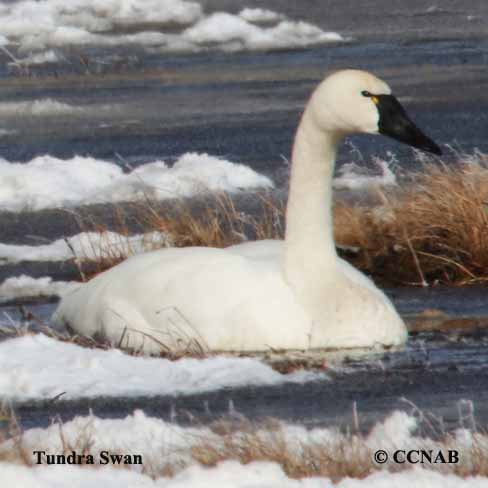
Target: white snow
73	476
192	174
47	181
234	33
50	182
158	441
45	57
353	177
259	15
229	474
35	26
41	108
164	444
85	246
37	366
27	287
50	107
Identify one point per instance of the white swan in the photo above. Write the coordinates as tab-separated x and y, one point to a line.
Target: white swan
291	294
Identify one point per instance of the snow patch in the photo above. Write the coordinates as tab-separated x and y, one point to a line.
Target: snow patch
353	177
36	26
37	366
229	474
259	15
50	182
47	182
45	57
85	246
38	108
166	444
397	429
27	287
234	33
191	174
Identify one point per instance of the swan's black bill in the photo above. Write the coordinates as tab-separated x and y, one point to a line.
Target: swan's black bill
394	122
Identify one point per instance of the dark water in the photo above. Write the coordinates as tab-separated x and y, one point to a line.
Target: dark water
442	375
245	107
380	19
202	103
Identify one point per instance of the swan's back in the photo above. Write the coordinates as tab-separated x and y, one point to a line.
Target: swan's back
226	299
232	299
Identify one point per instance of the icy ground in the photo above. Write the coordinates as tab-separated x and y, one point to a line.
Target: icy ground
163	444
35	185
229	474
164	25
38	367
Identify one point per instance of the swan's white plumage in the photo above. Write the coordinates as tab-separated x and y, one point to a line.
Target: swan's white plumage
292	294
247	304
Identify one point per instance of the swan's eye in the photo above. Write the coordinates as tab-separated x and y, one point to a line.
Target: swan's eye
374	98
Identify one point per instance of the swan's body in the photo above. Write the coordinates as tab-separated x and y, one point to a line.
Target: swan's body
292	294
247	304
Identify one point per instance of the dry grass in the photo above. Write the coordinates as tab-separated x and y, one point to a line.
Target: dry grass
32	325
433	229
301	454
245	441
14	449
106	251
218	223
339	456
213	222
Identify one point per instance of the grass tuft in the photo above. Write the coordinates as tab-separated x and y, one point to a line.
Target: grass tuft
300	453
432	229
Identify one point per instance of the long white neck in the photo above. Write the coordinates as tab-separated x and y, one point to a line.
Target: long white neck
310	253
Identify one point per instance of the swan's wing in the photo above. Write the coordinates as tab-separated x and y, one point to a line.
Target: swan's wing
221	297
266	251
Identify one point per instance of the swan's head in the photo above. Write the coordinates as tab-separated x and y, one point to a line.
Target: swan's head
354	101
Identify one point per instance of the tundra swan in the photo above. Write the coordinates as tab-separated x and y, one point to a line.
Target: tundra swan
291	294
